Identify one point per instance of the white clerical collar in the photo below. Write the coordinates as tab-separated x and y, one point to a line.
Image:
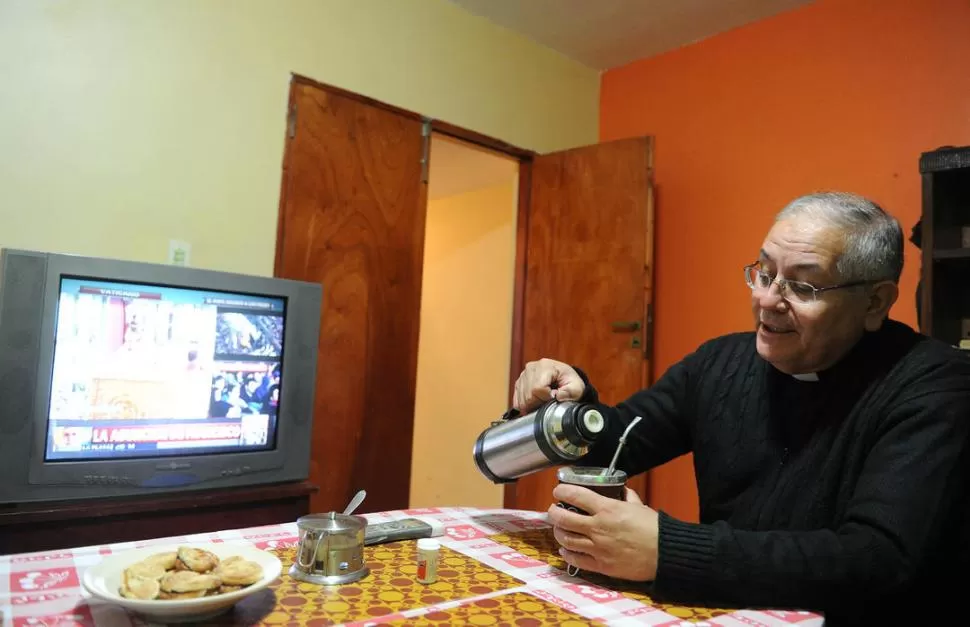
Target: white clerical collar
808	376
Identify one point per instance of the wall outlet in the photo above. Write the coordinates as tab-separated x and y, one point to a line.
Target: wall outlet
966	237
965	329
179	252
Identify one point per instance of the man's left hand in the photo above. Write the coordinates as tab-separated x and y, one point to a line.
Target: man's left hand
617	538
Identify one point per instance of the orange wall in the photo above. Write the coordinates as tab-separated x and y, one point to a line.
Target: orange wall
840	94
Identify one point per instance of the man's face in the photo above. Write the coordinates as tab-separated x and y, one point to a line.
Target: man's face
797	337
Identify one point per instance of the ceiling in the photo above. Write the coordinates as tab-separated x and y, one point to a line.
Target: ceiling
457	167
603	34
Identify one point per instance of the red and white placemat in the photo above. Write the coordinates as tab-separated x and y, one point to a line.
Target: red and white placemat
43	589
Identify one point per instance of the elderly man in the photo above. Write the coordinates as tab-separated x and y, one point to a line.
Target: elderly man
830	445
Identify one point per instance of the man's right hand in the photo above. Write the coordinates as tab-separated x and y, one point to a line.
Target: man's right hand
545	380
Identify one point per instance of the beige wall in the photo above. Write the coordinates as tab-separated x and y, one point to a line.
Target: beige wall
466	333
124	124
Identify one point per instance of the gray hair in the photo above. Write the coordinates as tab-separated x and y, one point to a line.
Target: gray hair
873	239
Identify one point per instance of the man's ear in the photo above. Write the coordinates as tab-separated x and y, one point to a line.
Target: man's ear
881	298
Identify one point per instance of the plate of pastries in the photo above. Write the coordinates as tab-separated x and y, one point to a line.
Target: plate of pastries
183	582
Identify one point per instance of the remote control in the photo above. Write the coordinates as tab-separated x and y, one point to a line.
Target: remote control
405	529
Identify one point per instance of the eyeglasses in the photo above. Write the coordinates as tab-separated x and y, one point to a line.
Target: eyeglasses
797	292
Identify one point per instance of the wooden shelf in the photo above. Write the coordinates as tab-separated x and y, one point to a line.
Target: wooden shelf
50	526
944	301
951	253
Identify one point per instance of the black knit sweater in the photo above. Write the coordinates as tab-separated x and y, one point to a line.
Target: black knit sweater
846	495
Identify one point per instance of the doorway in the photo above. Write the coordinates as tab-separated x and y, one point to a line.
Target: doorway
465	336
353	209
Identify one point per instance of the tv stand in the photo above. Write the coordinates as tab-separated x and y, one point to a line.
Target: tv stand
66	524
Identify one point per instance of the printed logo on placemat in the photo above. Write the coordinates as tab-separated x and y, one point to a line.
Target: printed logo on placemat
789	616
595	593
79	616
643	609
282	543
43	579
420	511
465	532
748	620
29	599
43	557
519	560
269	536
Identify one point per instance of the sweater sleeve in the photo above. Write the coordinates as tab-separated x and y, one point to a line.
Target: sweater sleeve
912	482
661	435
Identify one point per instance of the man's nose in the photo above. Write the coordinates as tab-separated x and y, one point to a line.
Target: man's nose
770	298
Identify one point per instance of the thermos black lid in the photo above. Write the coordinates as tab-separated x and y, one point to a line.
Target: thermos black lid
582	424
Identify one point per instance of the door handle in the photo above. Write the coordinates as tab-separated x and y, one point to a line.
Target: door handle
630	326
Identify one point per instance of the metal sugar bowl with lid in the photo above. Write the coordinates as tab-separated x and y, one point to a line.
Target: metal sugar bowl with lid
331	549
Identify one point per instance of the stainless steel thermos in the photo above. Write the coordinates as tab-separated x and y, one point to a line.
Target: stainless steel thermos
556	433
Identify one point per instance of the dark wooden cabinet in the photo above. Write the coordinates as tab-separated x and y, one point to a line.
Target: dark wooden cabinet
66	524
945	226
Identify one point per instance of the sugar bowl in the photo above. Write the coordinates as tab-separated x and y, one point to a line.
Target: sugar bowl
331	549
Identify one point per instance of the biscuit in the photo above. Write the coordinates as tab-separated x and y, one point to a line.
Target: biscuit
199	560
145	570
188	573
140	588
165	560
188	581
239	572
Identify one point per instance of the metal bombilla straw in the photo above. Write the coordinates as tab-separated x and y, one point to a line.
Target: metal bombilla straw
609	471
571	570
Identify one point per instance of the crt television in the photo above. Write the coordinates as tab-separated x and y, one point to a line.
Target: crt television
121	378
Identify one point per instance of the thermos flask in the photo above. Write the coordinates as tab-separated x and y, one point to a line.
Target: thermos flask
554	434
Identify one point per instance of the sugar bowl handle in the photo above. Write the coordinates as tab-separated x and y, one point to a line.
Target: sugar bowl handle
309	537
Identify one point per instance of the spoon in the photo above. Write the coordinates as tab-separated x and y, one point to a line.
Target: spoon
355	502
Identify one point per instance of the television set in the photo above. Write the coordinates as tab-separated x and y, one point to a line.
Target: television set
124	378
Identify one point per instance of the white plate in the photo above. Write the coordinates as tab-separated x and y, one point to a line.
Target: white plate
103	580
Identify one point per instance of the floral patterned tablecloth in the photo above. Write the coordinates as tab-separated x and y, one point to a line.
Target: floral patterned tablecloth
497	567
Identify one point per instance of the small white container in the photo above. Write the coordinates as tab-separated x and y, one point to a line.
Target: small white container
428	552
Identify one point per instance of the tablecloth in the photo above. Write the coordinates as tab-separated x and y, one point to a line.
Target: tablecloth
497	567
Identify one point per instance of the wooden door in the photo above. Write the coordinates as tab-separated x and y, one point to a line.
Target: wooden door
352	217
588	277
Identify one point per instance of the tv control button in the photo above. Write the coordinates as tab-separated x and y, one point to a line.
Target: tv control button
173	466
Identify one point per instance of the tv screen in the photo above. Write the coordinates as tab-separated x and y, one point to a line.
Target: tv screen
151	370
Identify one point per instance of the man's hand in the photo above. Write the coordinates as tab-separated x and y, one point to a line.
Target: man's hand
545	380
618	538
